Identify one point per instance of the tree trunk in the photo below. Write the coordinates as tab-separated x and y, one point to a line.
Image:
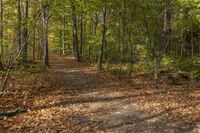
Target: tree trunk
103	40
64	35
63	42
81	35
19	23
75	35
156	70
45	38
96	24
168	26
60	47
1	36
34	48
25	32
34	44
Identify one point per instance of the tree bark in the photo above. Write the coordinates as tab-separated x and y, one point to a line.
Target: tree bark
1	36
60	46
45	38
75	34
25	32
64	35
168	28
34	48
81	35
19	23
103	40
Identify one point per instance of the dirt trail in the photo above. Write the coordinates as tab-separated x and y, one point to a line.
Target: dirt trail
79	100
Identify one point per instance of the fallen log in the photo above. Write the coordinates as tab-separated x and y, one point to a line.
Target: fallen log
11	113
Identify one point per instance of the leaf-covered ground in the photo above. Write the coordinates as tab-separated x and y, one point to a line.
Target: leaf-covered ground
72	97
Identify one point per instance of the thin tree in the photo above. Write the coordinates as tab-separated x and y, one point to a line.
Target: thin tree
45	37
25	32
103	40
19	23
1	36
75	33
81	32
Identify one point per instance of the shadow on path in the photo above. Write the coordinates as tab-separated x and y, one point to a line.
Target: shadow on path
108	109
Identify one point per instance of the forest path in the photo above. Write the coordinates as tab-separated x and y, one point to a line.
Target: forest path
74	98
97	104
83	101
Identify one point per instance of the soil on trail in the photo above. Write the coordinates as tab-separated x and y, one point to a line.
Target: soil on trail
77	99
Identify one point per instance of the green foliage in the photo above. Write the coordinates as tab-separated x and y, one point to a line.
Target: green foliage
136	31
184	64
2	117
196	73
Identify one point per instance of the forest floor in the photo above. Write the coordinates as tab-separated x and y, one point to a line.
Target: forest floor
72	97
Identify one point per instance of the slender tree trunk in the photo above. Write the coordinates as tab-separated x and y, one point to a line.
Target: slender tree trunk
60	47
40	42
122	37
192	55
1	36
19	23
45	39
81	35
84	36
157	48
63	42
132	54
91	35
64	34
103	40
25	32
156	70
34	44
75	33
67	45
96	24
168	25
34	48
